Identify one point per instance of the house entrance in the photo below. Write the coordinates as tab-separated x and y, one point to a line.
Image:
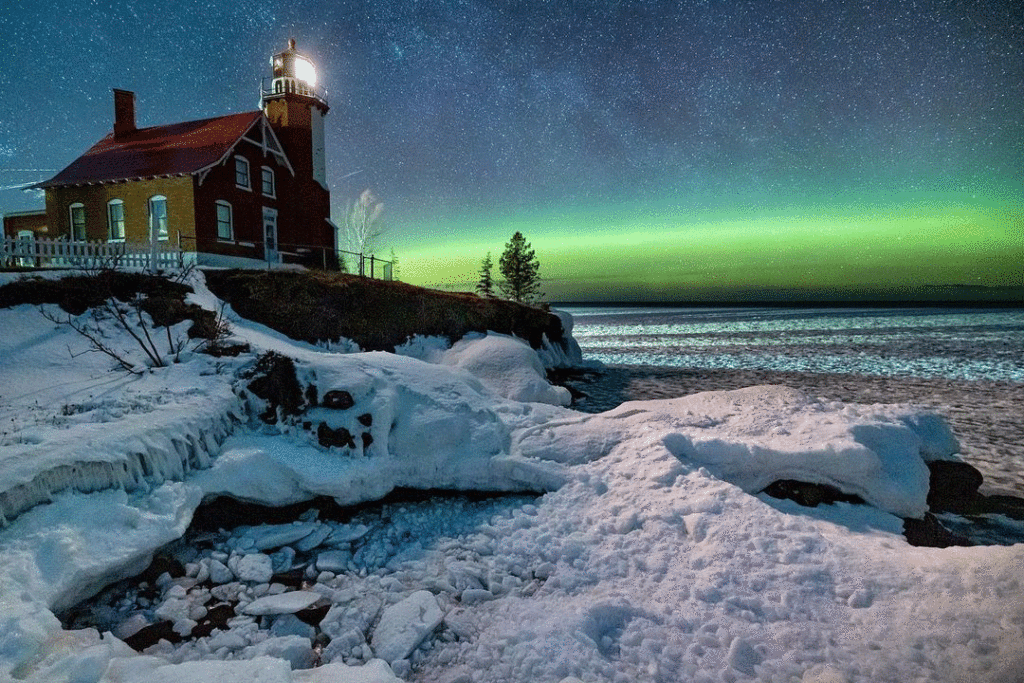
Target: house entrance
270	252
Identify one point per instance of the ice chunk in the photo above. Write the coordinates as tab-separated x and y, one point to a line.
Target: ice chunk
256	567
283	603
333	561
296	650
374	671
404	625
313	539
291	625
276	535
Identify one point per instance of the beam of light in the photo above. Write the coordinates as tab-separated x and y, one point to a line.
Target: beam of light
305	71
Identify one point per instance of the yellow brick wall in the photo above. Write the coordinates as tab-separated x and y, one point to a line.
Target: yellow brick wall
135	195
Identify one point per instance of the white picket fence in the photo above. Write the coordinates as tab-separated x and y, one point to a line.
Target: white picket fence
42	252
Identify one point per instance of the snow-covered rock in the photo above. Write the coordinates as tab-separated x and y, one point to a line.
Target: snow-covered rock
508	366
404	625
755	436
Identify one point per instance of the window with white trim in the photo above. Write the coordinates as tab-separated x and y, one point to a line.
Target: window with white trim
242	173
115	220
225	224
158	217
77	214
268	181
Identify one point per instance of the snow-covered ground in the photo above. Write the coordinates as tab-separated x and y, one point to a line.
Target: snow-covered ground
644	554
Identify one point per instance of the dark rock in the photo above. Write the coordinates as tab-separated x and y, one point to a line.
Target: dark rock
338	399
293	577
221	349
216	617
1011	506
160	565
339	438
367	440
953	486
274	380
366	420
153	634
809	495
929	533
313	615
311	395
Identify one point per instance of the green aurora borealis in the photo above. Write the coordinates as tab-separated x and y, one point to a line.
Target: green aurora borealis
826	250
649	151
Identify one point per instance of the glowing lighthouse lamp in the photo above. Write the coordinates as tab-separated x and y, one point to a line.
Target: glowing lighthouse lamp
294	73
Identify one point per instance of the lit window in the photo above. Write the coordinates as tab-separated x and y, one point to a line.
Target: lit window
224	226
158	217
115	220
242	173
77	212
268	182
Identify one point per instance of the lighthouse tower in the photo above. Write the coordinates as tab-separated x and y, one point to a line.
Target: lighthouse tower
295	106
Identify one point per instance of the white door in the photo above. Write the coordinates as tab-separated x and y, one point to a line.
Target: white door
270	252
25	245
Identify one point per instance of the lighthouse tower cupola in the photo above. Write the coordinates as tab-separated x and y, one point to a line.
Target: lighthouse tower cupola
296	105
294	73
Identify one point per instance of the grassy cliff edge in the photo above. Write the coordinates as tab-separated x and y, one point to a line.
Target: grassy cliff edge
315	306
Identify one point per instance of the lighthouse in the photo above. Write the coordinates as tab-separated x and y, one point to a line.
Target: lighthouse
295	105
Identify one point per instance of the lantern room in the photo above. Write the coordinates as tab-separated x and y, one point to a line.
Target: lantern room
295	74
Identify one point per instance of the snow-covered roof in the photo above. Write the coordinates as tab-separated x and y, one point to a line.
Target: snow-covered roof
169	150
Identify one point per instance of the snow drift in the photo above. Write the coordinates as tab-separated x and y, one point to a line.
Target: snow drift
647	557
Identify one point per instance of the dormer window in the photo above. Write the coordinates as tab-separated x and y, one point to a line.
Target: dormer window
268	182
242	173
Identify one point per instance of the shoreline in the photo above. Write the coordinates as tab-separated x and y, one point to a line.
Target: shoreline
984	415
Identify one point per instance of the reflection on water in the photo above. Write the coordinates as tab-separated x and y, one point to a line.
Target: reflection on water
946	343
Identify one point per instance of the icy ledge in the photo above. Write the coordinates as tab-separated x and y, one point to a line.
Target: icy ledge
177	435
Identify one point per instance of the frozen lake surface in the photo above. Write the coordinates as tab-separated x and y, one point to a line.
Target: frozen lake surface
966	344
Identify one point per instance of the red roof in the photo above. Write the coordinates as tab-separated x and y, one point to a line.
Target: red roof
175	149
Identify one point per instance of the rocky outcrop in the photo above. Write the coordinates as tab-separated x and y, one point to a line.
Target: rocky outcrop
953	488
376	315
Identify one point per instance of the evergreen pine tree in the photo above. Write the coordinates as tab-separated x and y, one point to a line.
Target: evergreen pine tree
521	271
485	286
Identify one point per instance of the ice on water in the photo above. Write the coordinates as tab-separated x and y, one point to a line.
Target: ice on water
645	554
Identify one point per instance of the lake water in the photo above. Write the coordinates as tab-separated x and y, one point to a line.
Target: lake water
964	344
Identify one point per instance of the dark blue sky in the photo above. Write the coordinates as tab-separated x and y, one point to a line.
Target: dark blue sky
469	118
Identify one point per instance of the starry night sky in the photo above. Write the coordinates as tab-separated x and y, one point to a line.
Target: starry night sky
648	150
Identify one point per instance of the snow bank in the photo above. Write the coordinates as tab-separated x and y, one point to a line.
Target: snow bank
648	557
508	366
76	425
566	354
753	437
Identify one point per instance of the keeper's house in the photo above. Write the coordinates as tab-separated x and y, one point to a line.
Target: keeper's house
233	189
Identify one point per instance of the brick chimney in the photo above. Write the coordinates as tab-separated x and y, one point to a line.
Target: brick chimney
124	112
